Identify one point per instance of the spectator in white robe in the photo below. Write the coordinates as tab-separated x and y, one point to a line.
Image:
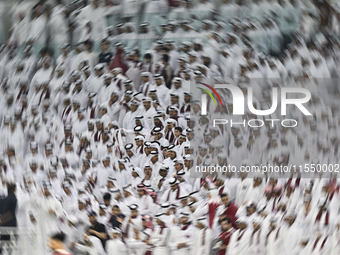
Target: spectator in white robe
160	237
115	246
149	111
37	33
202	238
60	29
130	10
240	240
49	210
94	13
91	246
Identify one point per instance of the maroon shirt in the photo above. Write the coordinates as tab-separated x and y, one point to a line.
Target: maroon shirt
230	213
225	238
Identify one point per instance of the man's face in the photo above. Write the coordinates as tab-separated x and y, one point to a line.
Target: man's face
139	143
121	166
53	175
105	46
60	73
135	57
225	200
99	73
145	79
207	139
107	202
174	187
134	213
101	212
178	166
85	167
95	3
134	174
250	210
187	163
129	153
183	220
158	82
114	98
92	219
202	152
81	116
68	148
138	122
127	98
241	225
157	122
173	113
46	64
158	136
128	86
67	191
32	219
46	192
33	167
115	211
107	81
102	111
177	133
106	163
115	73
99	126
174	100
90	127
225	226
237	143
105	136
177	85
187	98
153	96
147	104
134	107
67	133
154	159
273	143
190	136
67	102
140	192
184	202
148	171
163	173
48	153
172	154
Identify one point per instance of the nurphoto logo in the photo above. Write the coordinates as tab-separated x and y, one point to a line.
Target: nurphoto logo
238	100
239	104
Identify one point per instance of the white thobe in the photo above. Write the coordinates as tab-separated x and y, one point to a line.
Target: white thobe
116	247
239	242
47	222
180	236
159	239
201	242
